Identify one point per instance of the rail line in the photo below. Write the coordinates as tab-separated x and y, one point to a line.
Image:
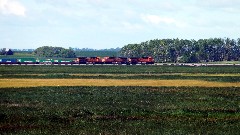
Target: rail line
155	64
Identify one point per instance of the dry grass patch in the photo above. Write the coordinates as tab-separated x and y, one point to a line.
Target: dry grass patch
5	83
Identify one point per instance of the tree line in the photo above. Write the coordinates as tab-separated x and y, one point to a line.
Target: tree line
57	52
183	50
5	51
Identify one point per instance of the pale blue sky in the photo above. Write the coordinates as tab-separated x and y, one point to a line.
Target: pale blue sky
113	23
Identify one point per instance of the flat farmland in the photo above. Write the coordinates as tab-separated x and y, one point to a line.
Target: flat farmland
16	83
119	100
139	75
116	69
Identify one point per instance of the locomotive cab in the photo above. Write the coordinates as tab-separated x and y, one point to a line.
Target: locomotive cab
94	60
109	60
146	60
133	60
81	60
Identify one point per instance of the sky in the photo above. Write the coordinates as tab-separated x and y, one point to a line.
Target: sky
100	24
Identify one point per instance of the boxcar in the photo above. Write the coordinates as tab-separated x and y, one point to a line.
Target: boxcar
27	61
8	61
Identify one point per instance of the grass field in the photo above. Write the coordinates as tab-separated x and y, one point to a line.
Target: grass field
226	74
118	69
119	100
120	110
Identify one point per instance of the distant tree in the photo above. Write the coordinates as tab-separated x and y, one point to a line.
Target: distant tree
59	52
5	51
183	50
2	52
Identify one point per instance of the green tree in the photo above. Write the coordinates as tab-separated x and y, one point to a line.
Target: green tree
58	52
5	51
173	50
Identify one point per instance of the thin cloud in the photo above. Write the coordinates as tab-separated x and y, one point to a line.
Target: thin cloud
132	26
77	22
154	19
157	20
231	6
220	3
12	7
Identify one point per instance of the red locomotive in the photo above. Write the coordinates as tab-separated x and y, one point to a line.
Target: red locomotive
88	60
80	60
146	60
115	60
141	60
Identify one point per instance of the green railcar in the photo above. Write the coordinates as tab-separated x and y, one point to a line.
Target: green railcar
45	61
54	61
63	61
27	61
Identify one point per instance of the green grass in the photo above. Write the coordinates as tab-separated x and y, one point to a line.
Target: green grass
120	110
19	55
122	76
122	72
225	62
117	69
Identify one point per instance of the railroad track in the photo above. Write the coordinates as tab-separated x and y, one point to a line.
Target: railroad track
156	64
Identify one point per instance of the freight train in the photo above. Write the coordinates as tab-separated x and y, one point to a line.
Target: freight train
79	60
